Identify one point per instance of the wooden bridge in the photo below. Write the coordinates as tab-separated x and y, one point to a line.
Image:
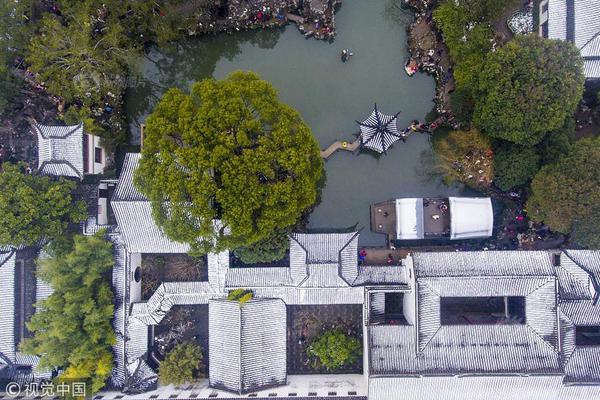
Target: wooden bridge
340	145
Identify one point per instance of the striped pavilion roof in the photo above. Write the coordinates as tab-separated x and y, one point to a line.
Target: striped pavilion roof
379	131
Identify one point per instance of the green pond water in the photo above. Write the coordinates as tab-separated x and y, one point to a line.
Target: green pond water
330	96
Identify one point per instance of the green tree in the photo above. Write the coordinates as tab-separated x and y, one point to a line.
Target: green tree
181	364
15	31
468	33
72	329
33	208
556	143
565	194
334	349
514	165
528	88
270	249
230	151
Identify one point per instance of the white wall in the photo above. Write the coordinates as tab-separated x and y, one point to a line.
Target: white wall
93	166
135	288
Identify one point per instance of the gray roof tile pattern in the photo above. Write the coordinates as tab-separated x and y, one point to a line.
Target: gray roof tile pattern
322	276
7	304
584	31
536	387
247	344
60	150
483	263
323	248
133	213
258	277
381	275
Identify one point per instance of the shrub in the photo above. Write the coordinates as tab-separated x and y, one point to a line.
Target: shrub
514	165
271	249
240	295
334	349
181	365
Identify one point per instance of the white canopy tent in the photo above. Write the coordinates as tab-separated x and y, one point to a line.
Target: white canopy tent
409	219
471	217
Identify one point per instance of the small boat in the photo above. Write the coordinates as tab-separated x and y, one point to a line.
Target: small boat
411	67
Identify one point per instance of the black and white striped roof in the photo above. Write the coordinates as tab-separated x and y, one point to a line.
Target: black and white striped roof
379	131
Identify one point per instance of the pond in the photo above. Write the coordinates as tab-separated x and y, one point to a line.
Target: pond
330	96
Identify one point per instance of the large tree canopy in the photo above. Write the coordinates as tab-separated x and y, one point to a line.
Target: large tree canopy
230	151
72	328
33	208
528	88
566	194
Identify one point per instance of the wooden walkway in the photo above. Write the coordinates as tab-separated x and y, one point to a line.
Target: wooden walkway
340	145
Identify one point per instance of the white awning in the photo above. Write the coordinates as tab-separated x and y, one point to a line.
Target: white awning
471	217
409	219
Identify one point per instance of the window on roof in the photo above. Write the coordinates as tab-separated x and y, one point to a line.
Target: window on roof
98	155
587	335
482	310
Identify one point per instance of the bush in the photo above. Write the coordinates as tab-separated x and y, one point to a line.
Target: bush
271	249
181	365
565	194
556	144
514	165
240	295
334	349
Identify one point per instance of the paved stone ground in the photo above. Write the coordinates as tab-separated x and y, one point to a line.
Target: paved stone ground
305	323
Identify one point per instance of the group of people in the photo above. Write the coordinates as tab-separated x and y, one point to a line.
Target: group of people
346	53
362	256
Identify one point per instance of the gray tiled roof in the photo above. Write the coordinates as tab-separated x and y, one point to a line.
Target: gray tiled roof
483	263
323	276
60	150
247	344
380	275
536	387
583	29
323	248
574	282
7	304
258	277
133	213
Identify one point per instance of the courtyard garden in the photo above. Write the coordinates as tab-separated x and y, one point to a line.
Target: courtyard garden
324	339
159	268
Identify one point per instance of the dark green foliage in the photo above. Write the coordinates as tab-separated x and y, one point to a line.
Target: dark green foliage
514	165
556	143
271	249
462	105
566	194
528	88
334	349
467	30
72	329
33	208
232	144
181	364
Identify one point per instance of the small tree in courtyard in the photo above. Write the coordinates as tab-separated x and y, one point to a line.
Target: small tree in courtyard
181	365
334	349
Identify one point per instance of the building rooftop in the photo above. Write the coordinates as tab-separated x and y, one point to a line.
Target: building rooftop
60	150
